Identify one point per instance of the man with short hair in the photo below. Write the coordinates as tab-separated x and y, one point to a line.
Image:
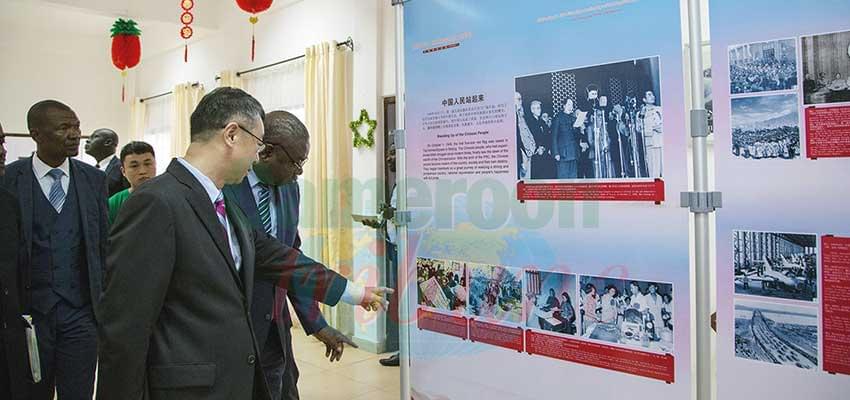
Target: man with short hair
102	145
13	345
63	247
138	165
567	142
653	135
270	198
175	316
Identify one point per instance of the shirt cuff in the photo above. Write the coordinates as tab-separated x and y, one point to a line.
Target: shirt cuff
353	294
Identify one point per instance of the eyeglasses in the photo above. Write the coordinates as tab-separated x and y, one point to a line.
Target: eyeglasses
261	144
297	164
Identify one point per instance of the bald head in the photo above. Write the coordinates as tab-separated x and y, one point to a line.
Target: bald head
102	143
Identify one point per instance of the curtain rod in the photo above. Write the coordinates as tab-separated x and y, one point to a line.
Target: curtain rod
347	43
27	135
142	100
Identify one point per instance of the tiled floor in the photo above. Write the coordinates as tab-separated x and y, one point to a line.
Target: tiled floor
358	376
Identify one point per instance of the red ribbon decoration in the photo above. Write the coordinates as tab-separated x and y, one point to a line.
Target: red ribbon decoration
254	7
186	32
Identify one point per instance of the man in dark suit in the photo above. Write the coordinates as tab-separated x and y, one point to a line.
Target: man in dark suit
567	142
63	246
175	316
13	346
102	145
270	198
542	162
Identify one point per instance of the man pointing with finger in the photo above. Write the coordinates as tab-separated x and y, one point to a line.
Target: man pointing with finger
270	197
175	319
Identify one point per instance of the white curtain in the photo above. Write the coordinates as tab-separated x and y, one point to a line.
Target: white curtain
158	129
229	79
138	114
278	88
186	97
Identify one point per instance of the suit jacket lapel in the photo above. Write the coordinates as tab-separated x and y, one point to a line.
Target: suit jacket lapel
25	178
81	186
243	230
280	202
245	197
203	208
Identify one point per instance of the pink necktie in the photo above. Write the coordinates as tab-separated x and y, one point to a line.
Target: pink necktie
222	214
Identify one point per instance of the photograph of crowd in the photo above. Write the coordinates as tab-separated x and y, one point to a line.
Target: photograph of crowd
766	127
495	292
550	304
773	264
598	122
776	334
633	313
763	66
441	284
826	68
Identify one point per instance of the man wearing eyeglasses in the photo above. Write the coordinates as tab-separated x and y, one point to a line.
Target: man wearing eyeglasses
175	318
270	197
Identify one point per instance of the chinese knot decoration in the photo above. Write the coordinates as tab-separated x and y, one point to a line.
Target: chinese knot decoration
254	7
186	18
126	47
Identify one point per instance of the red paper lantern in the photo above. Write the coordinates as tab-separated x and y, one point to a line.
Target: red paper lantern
126	47
254	7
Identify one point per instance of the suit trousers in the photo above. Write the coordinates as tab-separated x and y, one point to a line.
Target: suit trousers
67	348
654	159
567	169
279	366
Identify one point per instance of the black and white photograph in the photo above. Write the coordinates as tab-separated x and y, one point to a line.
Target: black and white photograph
598	122
634	313
766	127
777	334
551	301
495	292
763	66
441	284
775	264
826	68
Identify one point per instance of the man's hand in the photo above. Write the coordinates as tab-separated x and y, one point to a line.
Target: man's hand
374	298
584	146
334	342
557	157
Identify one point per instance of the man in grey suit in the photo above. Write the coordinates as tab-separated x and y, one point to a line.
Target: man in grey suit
62	249
270	197
175	316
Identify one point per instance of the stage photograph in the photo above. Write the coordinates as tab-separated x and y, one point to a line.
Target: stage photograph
776	334
442	284
826	68
598	122
633	313
763	66
774	264
495	293
550	299
766	127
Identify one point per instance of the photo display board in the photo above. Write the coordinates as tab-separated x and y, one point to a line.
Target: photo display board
782	126
546	149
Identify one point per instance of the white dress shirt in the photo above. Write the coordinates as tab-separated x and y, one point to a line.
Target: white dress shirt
213	192
105	163
353	293
41	170
254	181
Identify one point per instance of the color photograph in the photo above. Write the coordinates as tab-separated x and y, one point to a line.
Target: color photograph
495	293
550	301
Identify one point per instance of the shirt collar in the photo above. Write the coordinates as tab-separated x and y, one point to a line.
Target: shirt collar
212	191
105	162
253	179
41	169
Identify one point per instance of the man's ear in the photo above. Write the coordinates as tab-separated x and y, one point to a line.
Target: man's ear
122	170
230	132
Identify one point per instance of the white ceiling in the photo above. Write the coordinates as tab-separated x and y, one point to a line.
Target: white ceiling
158	19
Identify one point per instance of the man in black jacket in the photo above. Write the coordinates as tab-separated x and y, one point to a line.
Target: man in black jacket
62	249
13	347
175	319
102	145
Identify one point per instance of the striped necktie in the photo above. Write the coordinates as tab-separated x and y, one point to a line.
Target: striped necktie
264	207
57	194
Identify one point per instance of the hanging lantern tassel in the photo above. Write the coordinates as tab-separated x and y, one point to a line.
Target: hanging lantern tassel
253	20
123	83
186	52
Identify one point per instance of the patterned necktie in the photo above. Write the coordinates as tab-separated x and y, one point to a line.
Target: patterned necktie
57	194
264	208
221	211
